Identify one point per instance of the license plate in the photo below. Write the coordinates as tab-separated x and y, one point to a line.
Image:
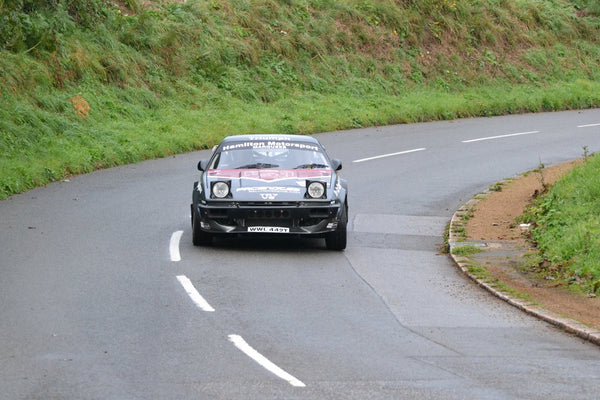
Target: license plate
268	229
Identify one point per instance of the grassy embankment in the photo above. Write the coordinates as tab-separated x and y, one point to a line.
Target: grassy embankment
566	223
86	85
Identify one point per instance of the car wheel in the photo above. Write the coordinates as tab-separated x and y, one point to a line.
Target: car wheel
337	239
199	237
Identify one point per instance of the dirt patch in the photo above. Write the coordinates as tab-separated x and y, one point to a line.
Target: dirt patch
81	106
493	221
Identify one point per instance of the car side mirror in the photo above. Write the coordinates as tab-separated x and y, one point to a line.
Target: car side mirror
336	164
202	165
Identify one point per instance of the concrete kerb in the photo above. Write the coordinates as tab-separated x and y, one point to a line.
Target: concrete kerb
455	239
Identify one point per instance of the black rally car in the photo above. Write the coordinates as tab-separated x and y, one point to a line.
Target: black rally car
270	185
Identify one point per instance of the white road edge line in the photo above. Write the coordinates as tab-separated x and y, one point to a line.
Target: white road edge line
587	126
193	293
241	344
499	137
388	155
174	246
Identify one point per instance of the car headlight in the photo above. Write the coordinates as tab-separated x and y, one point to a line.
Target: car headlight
220	190
315	190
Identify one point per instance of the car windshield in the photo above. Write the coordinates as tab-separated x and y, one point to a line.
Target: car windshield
269	154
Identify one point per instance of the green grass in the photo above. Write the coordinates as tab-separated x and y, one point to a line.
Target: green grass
482	274
466	250
567	228
165	77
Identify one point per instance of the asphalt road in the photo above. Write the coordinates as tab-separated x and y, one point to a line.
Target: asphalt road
103	296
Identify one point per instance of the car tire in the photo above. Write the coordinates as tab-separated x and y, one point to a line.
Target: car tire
199	237
337	239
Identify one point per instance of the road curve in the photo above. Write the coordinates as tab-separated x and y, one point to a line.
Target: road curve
103	295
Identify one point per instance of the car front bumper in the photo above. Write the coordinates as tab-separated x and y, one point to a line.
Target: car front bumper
285	218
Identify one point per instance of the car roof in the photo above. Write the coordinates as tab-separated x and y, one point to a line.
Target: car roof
297	138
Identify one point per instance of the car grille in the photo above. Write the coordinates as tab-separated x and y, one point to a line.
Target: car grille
270	215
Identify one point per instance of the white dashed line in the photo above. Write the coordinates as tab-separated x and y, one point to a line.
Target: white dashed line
388	155
499	137
174	246
241	344
194	295
588	125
